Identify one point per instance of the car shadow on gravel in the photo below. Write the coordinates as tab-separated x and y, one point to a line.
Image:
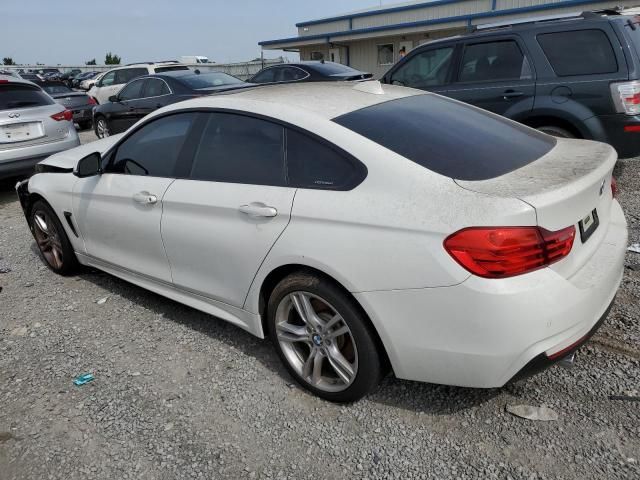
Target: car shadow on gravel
407	395
7	191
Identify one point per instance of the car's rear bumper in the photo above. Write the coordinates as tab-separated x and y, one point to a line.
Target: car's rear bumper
22	160
482	332
622	133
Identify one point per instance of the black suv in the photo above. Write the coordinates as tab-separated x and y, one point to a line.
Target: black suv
576	76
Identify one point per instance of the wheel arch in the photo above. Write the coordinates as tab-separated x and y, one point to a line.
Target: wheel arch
274	277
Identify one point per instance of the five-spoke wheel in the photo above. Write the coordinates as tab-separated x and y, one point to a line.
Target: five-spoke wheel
51	239
323	338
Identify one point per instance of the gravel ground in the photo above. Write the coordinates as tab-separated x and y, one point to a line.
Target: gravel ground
179	394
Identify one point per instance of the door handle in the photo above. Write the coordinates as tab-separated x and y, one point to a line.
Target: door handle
512	94
258	209
145	198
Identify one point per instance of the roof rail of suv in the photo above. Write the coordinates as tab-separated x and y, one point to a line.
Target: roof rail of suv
550	18
151	63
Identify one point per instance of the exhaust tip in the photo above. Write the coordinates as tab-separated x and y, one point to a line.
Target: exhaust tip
568	361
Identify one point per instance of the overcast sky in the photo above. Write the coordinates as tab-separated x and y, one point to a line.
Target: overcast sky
72	32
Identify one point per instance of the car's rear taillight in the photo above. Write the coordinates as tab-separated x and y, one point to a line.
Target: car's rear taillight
92	101
65	115
614	187
626	97
500	252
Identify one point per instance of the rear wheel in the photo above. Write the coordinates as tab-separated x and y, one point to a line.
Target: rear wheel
556	131
323	339
102	128
53	243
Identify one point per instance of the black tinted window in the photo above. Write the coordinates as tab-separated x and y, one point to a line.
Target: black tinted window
580	52
22	96
494	61
154	87
312	164
154	149
208	80
127	74
172	68
425	69
55	89
132	91
238	149
289	74
265	76
449	138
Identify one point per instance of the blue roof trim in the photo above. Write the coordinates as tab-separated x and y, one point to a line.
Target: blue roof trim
469	17
378	11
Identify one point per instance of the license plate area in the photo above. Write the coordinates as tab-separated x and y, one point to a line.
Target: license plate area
20	132
588	225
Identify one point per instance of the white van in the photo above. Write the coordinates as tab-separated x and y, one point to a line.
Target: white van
194	59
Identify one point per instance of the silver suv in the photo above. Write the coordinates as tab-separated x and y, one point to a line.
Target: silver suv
32	126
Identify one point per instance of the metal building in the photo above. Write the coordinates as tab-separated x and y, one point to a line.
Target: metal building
374	39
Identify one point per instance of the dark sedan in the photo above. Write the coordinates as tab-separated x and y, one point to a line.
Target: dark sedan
312	71
143	95
79	103
75	83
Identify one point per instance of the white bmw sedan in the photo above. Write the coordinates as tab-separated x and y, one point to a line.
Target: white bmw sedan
361	227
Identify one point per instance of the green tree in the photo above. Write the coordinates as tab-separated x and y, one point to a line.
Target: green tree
8	61
90	62
112	59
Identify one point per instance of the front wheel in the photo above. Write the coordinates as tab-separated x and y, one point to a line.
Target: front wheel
52	240
323	339
102	128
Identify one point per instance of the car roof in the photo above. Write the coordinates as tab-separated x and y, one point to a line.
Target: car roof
12	79
324	99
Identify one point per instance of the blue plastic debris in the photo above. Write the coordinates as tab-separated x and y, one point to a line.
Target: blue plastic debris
82	379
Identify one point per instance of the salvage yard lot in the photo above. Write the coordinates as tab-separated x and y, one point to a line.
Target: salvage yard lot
179	394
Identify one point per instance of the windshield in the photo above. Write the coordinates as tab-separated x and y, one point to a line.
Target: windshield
22	96
53	89
447	137
334	69
209	80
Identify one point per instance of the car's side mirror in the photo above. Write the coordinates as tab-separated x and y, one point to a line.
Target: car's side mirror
113	98
89	166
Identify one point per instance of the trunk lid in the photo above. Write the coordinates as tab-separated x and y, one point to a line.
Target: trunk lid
564	187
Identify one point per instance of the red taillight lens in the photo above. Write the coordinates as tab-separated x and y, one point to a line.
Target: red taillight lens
66	115
614	187
500	252
92	101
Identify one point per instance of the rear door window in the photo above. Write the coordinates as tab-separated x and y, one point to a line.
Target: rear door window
579	52
313	164
430	68
449	137
154	87
14	96
127	74
493	61
239	149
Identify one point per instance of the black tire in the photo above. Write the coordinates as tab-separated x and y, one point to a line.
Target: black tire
364	351
64	262
556	131
97	126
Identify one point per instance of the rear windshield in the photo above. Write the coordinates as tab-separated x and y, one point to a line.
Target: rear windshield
172	68
54	89
334	69
448	137
632	29
22	96
209	80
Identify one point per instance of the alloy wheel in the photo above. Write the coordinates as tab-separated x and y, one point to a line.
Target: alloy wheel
48	239
102	128
316	341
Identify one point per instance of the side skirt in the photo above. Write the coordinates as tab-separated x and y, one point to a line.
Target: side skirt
234	315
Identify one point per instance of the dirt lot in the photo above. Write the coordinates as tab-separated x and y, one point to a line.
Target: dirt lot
179	394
